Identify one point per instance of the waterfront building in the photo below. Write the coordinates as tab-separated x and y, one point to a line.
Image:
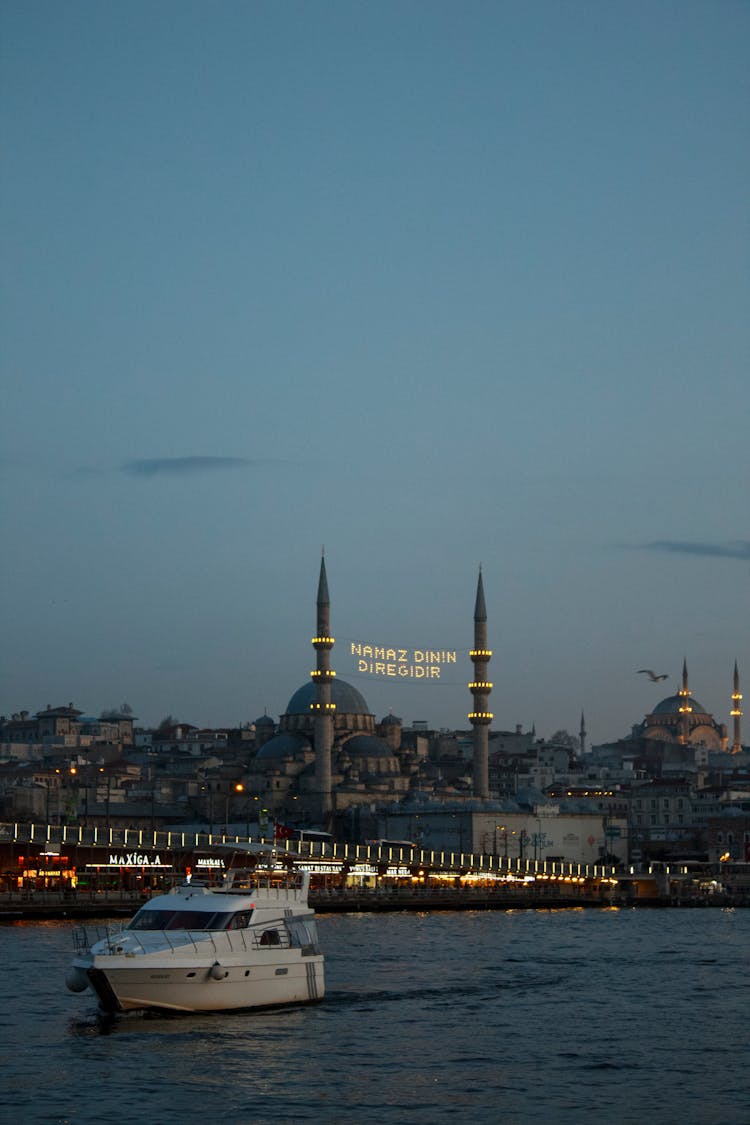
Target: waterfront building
544	831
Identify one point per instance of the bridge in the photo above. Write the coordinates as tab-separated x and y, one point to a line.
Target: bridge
75	870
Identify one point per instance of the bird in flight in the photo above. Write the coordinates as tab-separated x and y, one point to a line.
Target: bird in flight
652	675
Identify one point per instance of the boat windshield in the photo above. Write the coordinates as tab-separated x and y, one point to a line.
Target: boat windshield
183	920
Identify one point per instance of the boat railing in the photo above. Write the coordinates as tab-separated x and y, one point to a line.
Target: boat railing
272	935
249	879
86	936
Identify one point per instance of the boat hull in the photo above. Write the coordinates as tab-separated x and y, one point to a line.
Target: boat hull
125	984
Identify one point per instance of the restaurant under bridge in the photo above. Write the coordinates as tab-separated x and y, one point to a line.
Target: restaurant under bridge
76	869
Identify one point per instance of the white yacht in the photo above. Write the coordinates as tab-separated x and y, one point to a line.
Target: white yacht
251	942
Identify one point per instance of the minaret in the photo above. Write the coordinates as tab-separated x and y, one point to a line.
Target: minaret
736	712
582	735
686	706
480	718
322	708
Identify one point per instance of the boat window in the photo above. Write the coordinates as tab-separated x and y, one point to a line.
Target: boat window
151	920
270	937
179	920
189	920
240	920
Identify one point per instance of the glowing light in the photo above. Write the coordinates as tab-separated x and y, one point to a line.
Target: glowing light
323	641
480	716
480	653
401	663
481	685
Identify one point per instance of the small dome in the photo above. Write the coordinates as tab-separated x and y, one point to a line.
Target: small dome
264	721
671	706
367	746
347	699
391	720
284	745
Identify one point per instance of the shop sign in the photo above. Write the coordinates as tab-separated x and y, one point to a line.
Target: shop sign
136	859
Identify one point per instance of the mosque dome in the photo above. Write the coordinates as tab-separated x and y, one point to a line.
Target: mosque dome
391	720
347	699
367	746
288	744
264	721
671	705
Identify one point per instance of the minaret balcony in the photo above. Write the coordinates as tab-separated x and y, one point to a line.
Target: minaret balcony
322	642
480	717
323	707
480	653
321	674
480	686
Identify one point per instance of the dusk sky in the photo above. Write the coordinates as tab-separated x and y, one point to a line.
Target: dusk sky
433	285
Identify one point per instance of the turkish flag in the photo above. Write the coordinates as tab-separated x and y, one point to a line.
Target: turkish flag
282	831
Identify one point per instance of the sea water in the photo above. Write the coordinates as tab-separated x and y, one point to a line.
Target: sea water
565	1016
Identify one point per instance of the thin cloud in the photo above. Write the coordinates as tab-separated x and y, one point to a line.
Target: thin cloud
183	466
739	549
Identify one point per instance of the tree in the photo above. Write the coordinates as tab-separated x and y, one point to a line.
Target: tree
562	738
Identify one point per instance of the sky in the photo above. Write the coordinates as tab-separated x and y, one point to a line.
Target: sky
432	286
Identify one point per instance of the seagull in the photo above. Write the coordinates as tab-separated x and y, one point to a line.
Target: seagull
652	675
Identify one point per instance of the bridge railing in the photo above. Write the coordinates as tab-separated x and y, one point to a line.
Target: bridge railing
127	839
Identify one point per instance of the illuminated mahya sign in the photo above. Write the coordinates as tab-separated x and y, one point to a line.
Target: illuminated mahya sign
401	663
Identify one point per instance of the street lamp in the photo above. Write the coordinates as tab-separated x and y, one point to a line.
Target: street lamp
240	788
109	783
502	828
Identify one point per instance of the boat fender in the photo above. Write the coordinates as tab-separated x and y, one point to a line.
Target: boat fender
76	980
218	972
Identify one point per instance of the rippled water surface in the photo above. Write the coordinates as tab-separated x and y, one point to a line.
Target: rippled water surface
530	1016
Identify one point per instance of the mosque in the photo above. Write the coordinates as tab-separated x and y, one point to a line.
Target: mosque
329	753
681	718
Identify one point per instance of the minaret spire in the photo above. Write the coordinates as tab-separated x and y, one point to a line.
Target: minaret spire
323	596
323	708
686	706
582	735
480	716
736	712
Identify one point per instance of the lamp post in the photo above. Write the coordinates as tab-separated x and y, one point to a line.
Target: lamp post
109	784
240	788
73	802
502	828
